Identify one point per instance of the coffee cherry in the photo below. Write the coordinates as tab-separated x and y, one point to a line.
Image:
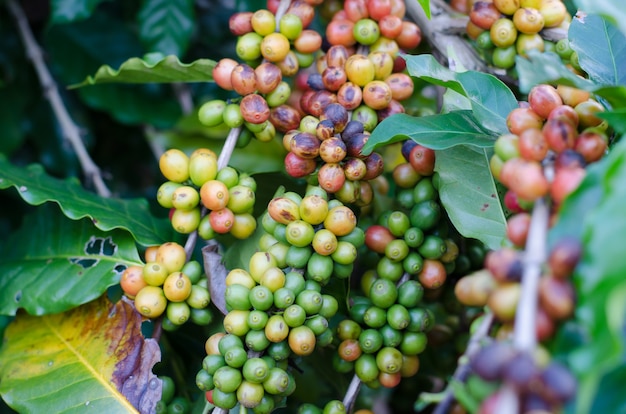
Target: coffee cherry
484	14
528	20
366	31
525	178
254	109
521	119
543	99
503	301
533	145
340	32
559	134
410	37
565	181
490	361
474	289
564	257
503	32
132	280
150	301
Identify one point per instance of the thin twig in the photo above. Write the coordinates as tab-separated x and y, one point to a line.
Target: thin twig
183	96
282	9
352	392
69	129
463	369
437	31
524	334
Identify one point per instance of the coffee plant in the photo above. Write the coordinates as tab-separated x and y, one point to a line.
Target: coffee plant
312	207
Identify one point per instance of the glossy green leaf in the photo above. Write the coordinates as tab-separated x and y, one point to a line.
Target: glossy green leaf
79	49
433	131
601	48
617	119
599	277
53	264
469	194
36	187
547	67
166	70
609	9
490	98
166	26
426	6
90	359
66	11
614	95
610	397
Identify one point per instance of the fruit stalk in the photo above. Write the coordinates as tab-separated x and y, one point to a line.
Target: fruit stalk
525	338
51	91
442	39
222	161
463	369
351	393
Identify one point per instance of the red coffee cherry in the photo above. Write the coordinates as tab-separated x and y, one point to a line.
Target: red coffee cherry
240	23
268	76
298	167
331	177
422	160
521	119
222	72
556	297
532	145
484	14
591	145
517	229
565	181
377	238
560	135
254	109
285	118
243	79
543	99
410	37
525	178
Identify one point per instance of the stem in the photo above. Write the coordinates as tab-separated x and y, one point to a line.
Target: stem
439	30
524	337
208	407
183	96
463	370
68	128
227	149
282	9
219	410
353	390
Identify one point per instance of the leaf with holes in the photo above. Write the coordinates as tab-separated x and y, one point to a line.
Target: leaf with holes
92	358
36	187
469	194
166	26
53	264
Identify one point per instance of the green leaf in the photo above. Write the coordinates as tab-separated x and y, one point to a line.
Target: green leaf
614	95
601	48
599	277
426	6
80	48
469	194
53	264
610	396
91	359
547	67
36	187
491	99
617	119
433	131
166	70
166	26
66	11
609	9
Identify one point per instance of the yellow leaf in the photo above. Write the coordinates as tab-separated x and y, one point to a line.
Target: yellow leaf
92	357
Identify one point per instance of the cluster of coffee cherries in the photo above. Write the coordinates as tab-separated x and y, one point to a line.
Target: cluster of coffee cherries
558	126
277	307
169	285
385	333
272	48
232	375
171	402
332	149
541	385
206	199
502	29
